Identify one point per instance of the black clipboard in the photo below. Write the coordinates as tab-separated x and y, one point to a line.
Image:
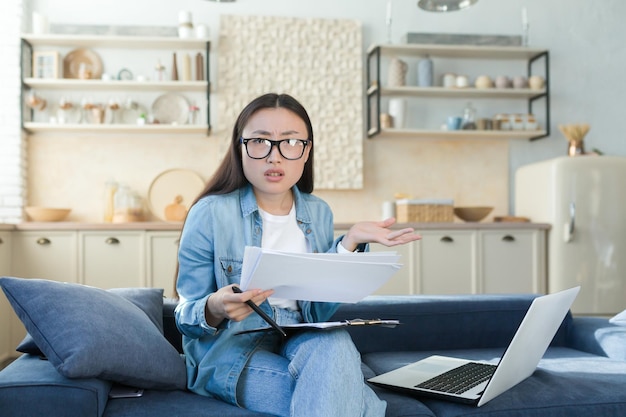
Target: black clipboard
326	325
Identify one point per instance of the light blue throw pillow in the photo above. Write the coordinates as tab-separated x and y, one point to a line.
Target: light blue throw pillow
87	332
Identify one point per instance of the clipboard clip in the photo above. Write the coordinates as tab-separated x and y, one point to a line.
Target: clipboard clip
363	322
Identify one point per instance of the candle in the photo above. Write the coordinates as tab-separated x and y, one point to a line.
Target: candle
524	17
199	67
388	12
186	73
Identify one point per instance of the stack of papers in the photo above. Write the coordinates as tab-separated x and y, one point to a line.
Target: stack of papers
331	277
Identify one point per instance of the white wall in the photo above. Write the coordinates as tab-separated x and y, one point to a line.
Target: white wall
587	57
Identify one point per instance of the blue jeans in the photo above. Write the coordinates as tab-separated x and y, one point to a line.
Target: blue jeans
313	373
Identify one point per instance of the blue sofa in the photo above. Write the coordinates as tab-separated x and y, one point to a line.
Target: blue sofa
582	374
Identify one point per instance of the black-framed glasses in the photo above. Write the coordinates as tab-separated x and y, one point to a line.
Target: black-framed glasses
259	148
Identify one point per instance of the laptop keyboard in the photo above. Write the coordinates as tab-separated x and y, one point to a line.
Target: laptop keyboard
461	379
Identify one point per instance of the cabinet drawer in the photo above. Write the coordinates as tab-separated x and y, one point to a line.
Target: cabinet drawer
162	250
112	259
45	254
512	261
447	262
5	253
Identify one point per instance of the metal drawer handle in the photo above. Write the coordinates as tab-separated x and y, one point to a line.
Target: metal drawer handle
112	241
43	241
508	238
447	239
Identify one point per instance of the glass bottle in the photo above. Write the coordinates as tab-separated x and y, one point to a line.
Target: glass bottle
122	204
469	118
110	188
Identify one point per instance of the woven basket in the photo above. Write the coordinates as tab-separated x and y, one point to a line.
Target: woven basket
424	213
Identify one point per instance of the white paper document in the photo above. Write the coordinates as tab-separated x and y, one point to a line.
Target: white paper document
332	277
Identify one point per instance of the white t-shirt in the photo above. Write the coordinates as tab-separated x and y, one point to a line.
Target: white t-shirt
282	233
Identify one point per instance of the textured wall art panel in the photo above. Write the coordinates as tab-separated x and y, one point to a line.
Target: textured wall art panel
320	63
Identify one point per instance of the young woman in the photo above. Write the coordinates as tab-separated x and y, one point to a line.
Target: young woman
261	196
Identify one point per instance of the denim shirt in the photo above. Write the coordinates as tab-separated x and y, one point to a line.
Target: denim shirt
216	231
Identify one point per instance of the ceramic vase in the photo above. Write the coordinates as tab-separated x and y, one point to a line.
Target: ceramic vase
397	73
397	110
425	72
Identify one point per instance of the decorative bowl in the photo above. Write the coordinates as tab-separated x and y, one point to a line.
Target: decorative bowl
46	214
472	214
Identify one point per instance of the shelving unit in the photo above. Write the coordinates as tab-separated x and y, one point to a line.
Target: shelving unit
30	42
376	90
34	127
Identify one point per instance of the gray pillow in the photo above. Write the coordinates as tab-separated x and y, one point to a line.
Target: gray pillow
87	332
149	300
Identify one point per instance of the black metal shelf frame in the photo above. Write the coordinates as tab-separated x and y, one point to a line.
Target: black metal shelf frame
373	91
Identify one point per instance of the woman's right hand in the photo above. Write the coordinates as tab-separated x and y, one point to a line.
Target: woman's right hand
224	304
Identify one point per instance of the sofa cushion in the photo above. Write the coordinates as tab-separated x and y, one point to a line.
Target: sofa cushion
567	383
32	387
149	300
441	322
174	403
88	332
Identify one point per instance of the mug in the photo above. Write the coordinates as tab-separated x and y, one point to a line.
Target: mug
483	124
454	122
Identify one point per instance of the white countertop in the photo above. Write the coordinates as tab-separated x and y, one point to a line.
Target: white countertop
163	226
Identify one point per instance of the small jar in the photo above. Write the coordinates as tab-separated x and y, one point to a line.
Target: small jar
469	118
462	81
448	80
505	121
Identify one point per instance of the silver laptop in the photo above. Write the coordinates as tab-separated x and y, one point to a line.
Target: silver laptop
442	377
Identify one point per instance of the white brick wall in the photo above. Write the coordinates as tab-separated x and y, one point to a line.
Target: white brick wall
12	141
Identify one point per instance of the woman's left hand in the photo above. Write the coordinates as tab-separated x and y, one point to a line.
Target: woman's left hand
378	232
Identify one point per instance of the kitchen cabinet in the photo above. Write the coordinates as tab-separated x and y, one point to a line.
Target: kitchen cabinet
45	254
162	259
5	253
112	259
446	262
41	254
400	282
376	90
119	45
512	261
457	259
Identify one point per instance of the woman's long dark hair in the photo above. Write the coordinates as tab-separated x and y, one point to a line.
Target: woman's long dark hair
229	175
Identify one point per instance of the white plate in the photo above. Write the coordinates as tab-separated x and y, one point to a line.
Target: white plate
171	108
171	183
